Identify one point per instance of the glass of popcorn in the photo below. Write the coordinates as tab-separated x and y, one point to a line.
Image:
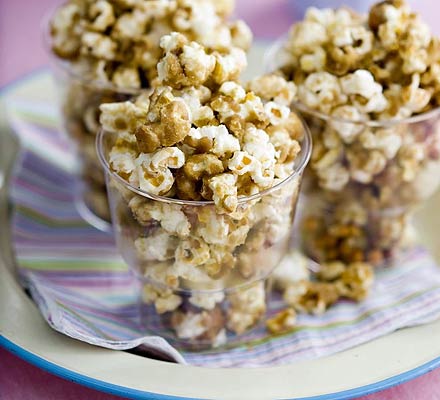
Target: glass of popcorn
203	178
104	51
369	87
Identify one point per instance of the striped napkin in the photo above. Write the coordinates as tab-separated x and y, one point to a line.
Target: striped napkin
84	290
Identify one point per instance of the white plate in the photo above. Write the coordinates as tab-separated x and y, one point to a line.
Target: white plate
376	365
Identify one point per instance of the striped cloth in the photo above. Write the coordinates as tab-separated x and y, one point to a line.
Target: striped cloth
83	288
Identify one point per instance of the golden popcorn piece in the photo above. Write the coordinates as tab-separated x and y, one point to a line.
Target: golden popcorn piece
273	88
184	63
192	251
224	192
356	281
282	322
173	126
317	298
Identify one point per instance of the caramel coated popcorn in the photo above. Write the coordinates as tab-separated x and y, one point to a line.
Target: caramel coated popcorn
203	143
357	79
314	293
126	37
212	160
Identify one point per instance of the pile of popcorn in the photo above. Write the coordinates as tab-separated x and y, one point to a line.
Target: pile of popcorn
314	294
357	79
117	41
199	135
109	50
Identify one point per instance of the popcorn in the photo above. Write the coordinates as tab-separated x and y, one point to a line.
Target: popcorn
246	307
184	64
159	246
368	161
321	90
171	217
98	45
167	304
229	67
362	83
347	131
307	35
318	296
106	31
192	251
273	88
315	61
356	281
282	322
206	301
189	325
224	191
121	117
126	77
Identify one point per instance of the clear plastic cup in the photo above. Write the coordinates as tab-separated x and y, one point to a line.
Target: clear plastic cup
79	98
364	180
361	194
188	246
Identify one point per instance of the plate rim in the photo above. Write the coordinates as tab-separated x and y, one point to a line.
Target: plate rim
124	391
131	393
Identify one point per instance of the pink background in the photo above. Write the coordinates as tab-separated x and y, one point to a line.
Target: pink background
21	52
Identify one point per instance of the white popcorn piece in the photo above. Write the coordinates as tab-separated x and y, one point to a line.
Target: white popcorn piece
242	163
293	268
206	301
167	304
191	326
257	143
197	112
224	142
216	231
224	191
247	307
415	99
156	182
322	91
307	35
102	14
126	77
360	82
277	113
315	61
161	273
159	246
98	45
191	273
385	140
363	167
346	130
229	66
192	251
357	37
170	216
122	160
121	117
130	25
241	35
166	157
234	90
249	108
334	178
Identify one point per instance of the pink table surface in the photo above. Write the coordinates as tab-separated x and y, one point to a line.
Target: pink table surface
21	52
